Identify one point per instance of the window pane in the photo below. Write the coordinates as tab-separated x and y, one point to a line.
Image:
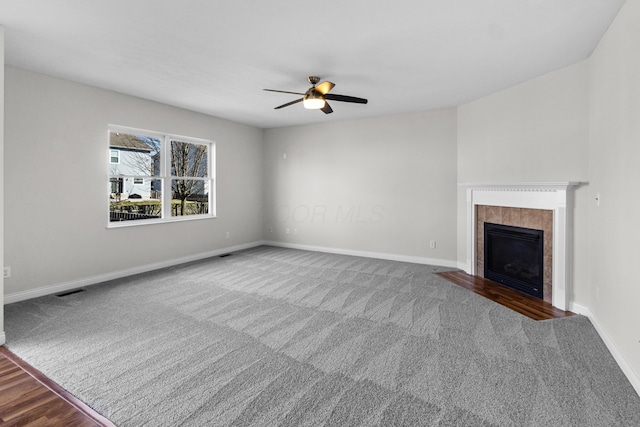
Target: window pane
114	156
137	154
116	187
189	197
188	159
158	177
128	207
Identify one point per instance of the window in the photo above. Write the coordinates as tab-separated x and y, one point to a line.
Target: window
115	156
116	185
159	177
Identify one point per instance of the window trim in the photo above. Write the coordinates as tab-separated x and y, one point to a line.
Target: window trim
166	178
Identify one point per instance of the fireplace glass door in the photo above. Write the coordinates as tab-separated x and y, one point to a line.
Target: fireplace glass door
513	256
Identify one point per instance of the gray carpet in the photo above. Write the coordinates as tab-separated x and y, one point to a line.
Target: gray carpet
281	337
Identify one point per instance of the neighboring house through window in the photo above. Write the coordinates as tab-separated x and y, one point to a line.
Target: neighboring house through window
143	164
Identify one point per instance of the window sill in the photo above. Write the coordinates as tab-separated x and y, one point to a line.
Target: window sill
141	222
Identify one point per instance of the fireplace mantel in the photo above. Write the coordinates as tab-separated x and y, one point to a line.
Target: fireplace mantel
554	196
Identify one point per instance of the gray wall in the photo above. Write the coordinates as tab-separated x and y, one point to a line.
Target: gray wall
380	186
580	123
2	335
614	173
536	131
56	184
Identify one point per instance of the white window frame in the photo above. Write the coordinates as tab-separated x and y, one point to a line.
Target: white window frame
166	178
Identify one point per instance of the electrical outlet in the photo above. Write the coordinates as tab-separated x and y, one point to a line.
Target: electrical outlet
6	272
287	230
228	235
598	293
432	244
270	229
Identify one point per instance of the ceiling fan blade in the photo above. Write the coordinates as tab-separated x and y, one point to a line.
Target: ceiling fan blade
327	108
288	103
283	91
324	87
345	98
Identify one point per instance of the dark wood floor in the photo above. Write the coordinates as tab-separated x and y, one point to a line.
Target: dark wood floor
28	398
527	305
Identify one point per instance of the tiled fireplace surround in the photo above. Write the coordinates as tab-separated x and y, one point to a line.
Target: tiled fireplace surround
541	206
538	219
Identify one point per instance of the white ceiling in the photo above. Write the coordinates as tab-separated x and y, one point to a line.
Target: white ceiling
216	56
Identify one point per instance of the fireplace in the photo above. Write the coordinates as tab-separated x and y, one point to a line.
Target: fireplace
554	197
513	256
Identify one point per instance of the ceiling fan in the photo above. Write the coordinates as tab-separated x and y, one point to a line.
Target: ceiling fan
315	98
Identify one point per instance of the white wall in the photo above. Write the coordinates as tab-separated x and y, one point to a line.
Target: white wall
536	131
614	161
56	184
2	334
383	185
580	123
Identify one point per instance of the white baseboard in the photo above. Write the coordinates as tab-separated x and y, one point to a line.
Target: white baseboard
365	254
462	266
634	379
88	281
631	375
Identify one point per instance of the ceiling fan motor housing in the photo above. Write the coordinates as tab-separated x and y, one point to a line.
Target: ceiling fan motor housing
312	93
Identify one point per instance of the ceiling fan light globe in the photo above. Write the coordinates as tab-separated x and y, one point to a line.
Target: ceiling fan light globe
313	103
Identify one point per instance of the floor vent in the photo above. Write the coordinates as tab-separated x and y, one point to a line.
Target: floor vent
76	291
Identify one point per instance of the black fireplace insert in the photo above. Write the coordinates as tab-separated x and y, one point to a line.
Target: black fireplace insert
513	256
